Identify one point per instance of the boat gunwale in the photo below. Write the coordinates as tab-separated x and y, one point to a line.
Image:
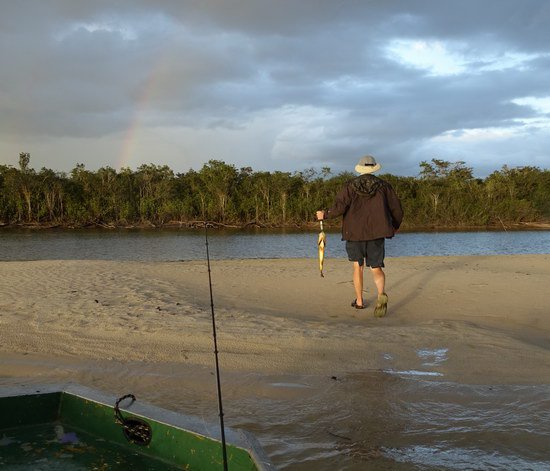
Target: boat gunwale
238	438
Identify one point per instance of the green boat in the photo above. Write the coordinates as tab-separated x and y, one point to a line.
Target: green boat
70	427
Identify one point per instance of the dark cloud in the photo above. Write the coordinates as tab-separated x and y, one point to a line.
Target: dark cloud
295	84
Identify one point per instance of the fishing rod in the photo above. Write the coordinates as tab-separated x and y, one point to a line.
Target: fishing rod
220	407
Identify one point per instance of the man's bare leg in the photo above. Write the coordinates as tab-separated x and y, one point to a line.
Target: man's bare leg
379	279
358	282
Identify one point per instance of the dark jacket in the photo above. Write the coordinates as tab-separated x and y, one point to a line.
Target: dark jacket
370	207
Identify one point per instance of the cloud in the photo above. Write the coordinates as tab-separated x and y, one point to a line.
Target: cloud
273	85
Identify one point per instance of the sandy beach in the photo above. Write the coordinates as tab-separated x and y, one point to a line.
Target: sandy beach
280	317
146	327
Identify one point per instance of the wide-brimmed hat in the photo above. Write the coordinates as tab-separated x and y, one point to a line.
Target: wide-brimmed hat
367	164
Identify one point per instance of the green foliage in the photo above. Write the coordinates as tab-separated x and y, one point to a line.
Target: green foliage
444	194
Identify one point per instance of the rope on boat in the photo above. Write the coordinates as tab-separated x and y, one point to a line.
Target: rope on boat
135	430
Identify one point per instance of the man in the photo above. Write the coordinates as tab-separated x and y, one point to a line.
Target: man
372	212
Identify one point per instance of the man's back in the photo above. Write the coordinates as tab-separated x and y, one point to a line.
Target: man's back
370	207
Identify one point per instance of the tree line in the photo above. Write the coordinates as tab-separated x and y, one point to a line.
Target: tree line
444	194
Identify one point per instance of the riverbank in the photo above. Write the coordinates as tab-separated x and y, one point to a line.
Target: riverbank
501	226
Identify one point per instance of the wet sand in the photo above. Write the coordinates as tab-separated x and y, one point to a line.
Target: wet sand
288	340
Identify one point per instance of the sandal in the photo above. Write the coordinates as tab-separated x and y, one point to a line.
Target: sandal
356	306
381	305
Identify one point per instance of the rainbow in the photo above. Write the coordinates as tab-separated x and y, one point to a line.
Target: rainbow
131	134
150	86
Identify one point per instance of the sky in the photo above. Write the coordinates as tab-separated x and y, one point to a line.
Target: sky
275	85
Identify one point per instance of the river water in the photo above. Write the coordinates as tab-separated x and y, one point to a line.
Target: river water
380	420
170	245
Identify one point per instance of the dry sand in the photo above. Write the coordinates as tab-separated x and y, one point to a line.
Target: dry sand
474	320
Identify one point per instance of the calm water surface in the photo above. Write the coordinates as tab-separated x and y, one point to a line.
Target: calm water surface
170	245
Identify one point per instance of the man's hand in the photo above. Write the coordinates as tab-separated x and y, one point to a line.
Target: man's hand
320	215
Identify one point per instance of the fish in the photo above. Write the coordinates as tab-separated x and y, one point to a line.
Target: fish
322	242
